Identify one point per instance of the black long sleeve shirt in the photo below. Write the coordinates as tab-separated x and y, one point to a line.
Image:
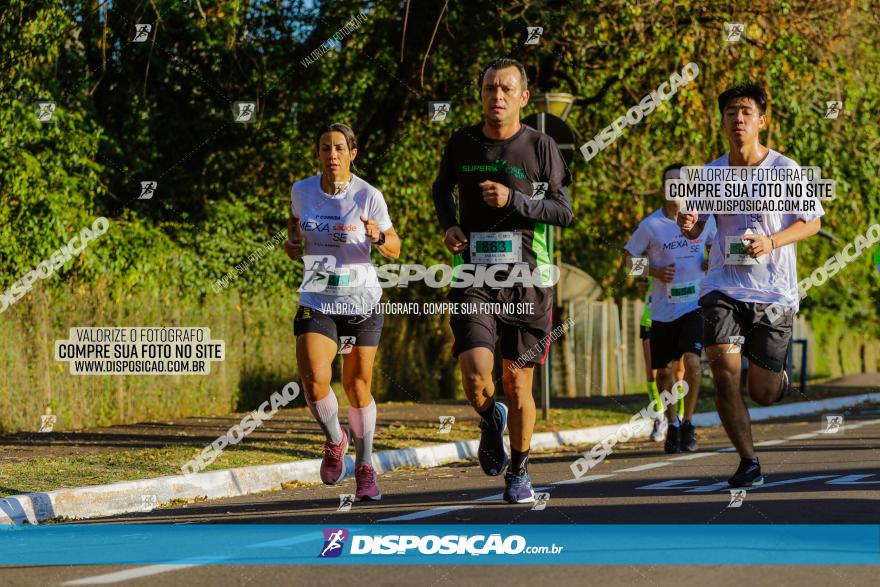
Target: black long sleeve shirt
529	163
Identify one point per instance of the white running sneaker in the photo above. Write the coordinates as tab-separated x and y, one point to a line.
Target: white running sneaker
658	433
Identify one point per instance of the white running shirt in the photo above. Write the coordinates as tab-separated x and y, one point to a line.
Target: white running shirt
331	226
774	278
662	239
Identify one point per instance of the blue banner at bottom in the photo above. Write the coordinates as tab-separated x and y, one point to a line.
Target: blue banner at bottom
277	544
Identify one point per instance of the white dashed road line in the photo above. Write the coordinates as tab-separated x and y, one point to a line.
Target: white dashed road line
692	456
645	467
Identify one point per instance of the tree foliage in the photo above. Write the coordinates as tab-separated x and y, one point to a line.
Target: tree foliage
161	110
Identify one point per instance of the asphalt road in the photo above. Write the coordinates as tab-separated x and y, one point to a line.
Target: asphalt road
811	478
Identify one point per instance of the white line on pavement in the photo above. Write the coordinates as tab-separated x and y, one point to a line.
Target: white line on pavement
583	479
690	457
860	424
138	572
425	513
790	481
439	511
129	574
707	488
645	467
771	442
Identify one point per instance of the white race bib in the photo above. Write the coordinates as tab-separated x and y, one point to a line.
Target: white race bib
679	293
339	281
735	252
496	247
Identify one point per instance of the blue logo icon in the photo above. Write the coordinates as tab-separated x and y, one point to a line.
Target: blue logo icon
334	541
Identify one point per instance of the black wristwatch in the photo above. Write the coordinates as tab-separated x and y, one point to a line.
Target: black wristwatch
381	240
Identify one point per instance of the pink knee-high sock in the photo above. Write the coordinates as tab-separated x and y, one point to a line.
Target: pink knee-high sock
363	425
326	412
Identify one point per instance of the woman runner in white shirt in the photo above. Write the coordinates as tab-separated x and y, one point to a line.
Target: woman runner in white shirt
336	219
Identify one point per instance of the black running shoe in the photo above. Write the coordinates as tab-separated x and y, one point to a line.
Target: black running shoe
747	475
491	454
673	439
786	387
688	437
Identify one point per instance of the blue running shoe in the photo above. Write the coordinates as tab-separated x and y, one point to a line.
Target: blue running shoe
518	487
491	453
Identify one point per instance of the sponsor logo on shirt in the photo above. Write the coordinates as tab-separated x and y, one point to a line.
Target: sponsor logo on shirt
499	166
311	226
672	245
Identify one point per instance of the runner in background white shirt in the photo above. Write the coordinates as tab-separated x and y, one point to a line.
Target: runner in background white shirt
336	218
739	288
677	266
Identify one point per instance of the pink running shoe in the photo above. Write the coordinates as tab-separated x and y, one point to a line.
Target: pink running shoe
365	477
333	463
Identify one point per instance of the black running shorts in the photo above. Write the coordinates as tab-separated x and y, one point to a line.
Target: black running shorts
524	337
670	340
353	330
730	321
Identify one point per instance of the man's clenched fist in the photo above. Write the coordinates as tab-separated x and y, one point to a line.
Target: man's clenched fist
495	194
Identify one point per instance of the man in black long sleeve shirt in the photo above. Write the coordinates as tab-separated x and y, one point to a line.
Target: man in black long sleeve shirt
512	183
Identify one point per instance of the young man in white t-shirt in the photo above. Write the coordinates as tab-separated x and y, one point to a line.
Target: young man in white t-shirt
752	265
676	264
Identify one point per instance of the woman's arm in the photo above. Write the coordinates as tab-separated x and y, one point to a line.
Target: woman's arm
293	247
391	248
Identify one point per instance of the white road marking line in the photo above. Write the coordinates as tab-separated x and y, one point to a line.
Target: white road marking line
439	511
805	436
855	426
425	513
728	449
696	455
129	574
707	488
583	479
771	442
645	467
860	424
668	484
138	572
790	481
853	480
723	486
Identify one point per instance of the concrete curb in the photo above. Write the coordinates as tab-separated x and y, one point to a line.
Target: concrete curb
796	409
144	495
